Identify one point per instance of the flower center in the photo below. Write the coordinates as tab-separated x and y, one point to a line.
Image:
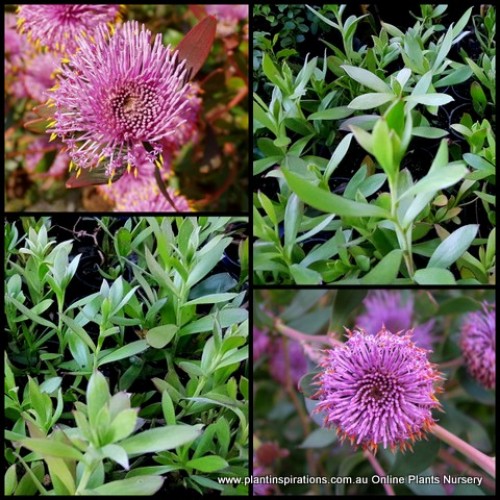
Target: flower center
378	390
133	109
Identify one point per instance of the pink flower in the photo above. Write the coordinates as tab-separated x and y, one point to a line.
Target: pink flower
389	309
140	192
59	27
261	343
118	94
228	12
378	389
477	341
297	362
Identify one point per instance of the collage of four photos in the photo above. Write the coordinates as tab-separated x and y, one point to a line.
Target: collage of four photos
322	326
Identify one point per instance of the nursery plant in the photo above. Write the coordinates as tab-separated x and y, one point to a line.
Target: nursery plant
135	107
373	392
411	199
126	355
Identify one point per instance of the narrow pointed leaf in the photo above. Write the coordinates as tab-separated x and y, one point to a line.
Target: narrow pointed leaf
196	45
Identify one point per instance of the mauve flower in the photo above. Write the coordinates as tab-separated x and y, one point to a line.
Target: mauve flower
296	360
387	308
477	341
228	12
139	192
60	27
117	94
378	389
261	343
228	17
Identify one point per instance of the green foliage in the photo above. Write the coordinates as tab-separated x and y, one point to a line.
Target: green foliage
380	219
152	364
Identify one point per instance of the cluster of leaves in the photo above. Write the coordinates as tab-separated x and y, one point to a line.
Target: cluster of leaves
326	211
279	29
316	451
205	171
114	391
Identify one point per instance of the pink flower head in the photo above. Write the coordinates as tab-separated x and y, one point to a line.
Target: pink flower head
228	17
60	27
378	389
139	192
477	341
261	343
297	362
119	94
228	12
388	308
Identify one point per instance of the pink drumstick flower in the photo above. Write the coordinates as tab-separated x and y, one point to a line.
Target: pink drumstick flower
119	94
477	341
59	27
378	389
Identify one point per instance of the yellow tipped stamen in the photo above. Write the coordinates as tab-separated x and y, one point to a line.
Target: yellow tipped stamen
52	123
99	161
110	181
71	165
136	172
158	164
129	167
53	137
78	173
65	60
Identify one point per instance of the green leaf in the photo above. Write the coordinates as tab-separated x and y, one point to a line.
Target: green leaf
227	317
29	313
338	155
331	114
424	455
434	276
116	453
319	438
370	100
98	396
161	439
386	271
328	202
139	485
453	247
429	132
159	336
304	276
124	424
10	480
51	448
430	99
263	164
479	163
208	261
75	327
214	298
208	464
382	147
437	180
366	78
124	352
293	216
364	139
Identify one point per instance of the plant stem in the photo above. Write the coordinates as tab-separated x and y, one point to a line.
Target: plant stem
482	460
465	469
303	337
380	471
304	418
